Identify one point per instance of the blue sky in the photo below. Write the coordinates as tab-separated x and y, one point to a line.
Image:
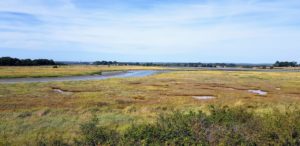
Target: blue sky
242	31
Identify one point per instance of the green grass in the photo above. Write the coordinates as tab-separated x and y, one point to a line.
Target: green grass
33	111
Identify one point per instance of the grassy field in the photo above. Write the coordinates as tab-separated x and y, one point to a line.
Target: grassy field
49	71
29	110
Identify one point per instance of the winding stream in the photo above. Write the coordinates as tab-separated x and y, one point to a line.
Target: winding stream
106	75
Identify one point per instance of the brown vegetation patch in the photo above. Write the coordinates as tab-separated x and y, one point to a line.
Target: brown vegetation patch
293	93
159	85
187	94
224	86
99	104
72	90
24	114
134	83
124	101
138	97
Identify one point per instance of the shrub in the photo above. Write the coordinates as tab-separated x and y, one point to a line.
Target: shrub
222	126
52	140
281	128
94	136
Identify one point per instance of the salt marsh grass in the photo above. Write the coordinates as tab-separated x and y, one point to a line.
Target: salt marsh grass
29	110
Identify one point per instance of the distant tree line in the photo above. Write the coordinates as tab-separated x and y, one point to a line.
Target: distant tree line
105	63
9	61
199	64
165	64
285	64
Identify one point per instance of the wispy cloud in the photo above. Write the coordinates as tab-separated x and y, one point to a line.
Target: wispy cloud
144	30
17	18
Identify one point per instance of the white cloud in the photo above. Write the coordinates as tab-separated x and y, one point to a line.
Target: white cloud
227	27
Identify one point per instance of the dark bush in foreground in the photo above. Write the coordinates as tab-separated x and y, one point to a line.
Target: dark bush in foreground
93	135
223	126
48	140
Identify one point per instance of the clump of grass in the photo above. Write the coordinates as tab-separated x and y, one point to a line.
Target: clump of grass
52	140
124	101
138	97
24	114
93	135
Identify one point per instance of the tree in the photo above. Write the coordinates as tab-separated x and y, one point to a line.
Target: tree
285	64
9	61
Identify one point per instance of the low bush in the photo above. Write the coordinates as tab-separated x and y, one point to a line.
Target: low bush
49	140
94	136
221	126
